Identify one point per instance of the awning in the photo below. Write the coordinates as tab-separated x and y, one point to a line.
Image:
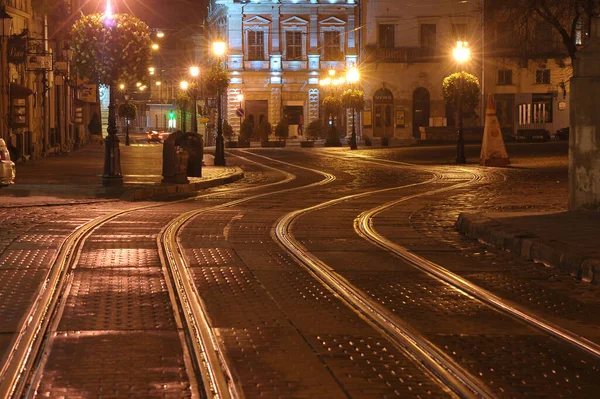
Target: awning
19	91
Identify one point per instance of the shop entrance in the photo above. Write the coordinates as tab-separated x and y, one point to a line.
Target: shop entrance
383	104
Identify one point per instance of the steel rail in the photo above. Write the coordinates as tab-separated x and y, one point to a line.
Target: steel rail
364	226
214	368
448	372
32	332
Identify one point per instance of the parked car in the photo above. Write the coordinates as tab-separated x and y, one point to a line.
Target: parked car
7	167
157	136
562	134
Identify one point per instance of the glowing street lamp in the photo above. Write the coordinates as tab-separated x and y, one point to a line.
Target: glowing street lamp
352	77
462	54
155	46
122	86
219	49
160	34
195	72
183	85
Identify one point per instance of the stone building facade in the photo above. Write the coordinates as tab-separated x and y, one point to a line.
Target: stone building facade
407	54
41	113
279	50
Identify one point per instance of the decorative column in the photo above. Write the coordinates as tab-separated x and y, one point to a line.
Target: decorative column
584	140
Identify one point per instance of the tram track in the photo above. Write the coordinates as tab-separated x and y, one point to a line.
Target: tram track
218	381
389	323
451	374
30	347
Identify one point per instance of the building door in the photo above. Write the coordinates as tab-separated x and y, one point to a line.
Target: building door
294	116
421	107
256	112
383	104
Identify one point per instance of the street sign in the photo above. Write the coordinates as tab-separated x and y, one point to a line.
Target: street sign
38	62
240	112
78	115
87	93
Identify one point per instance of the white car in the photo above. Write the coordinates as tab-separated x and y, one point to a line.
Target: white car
7	167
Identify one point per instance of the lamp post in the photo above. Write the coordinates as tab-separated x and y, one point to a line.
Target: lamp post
183	85
6	25
219	49
126	97
195	72
462	54
352	77
112	175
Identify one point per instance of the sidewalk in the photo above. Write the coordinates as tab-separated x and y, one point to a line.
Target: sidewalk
568	241
76	177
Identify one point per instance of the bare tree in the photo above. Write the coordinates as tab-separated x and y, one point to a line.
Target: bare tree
567	21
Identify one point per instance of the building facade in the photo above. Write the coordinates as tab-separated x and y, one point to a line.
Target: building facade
530	77
279	50
407	54
42	111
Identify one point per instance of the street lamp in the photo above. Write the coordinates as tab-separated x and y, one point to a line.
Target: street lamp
127	142
219	49
462	54
183	85
352	77
195	72
155	46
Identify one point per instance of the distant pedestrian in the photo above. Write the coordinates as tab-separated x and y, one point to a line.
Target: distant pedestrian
300	124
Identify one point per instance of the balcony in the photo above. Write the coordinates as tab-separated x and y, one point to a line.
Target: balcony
256	65
294	65
400	54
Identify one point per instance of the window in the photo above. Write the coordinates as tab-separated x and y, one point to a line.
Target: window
256	45
459	32
580	32
504	35
541	108
505	76
332	46
428	39
293	45
542	76
386	36
544	37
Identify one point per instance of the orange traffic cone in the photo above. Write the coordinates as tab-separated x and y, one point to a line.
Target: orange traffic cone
493	151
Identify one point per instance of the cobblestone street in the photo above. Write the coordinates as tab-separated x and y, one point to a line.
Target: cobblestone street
295	298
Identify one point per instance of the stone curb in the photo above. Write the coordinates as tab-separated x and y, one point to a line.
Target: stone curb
234	175
551	253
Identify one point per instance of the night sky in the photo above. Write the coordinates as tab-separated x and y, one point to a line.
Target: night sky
156	13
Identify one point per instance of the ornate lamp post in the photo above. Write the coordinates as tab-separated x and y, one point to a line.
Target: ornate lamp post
195	72
462	54
114	61
352	77
183	85
219	49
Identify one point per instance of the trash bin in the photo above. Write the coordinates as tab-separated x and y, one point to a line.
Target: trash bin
192	143
175	160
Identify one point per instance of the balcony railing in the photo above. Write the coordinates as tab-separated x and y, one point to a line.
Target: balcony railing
400	54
